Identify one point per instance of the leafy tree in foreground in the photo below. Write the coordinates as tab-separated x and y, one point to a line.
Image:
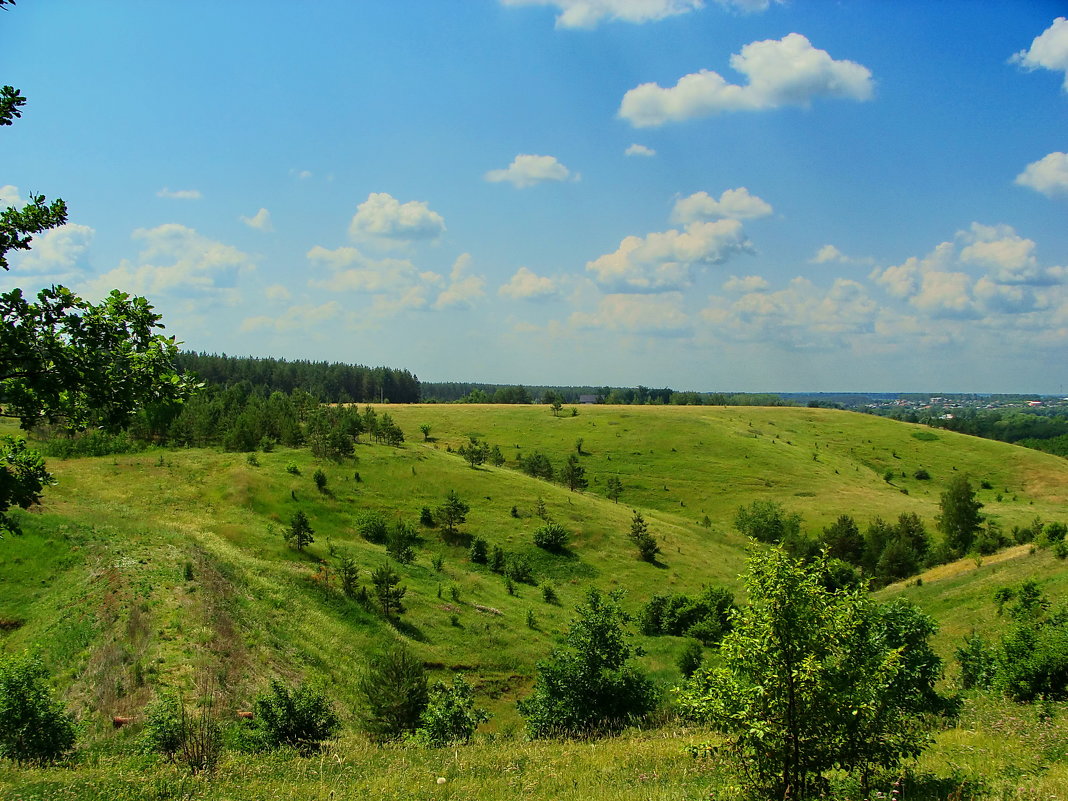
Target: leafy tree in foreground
65	360
34	726
812	680
589	685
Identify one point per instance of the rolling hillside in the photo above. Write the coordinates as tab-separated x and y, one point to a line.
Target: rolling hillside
153	569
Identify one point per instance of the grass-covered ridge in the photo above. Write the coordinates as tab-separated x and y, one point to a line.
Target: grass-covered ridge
149	570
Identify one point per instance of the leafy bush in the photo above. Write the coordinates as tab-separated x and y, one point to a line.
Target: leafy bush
164	733
690	659
393	688
477	552
922	475
705	617
300	718
34	726
450	715
589	685
372	527
320	479
399	541
978	662
551	537
517	567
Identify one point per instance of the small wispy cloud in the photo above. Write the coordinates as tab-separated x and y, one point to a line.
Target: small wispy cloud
179	194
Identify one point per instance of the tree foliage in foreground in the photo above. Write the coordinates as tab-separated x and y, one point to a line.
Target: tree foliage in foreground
813	680
65	360
590	685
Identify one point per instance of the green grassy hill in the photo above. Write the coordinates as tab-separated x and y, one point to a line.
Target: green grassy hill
159	568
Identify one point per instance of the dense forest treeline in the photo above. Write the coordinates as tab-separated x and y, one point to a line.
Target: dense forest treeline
327	382
334	382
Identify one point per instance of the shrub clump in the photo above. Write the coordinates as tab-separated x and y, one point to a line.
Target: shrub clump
34	726
551	537
301	718
450	715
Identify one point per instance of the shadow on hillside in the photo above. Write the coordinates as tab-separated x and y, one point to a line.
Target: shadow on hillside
456	538
408	629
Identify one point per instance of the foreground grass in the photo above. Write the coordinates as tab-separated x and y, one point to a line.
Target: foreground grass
995	750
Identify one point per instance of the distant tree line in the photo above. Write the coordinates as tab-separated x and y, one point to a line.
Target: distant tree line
460	392
1044	429
326	382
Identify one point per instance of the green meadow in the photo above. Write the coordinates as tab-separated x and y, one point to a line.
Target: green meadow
167	568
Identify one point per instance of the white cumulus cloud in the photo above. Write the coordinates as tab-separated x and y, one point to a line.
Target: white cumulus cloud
299	317
636	314
261	221
780	72
665	260
1048	175
589	13
179	194
528	169
179	261
465	289
734	204
9	196
639	150
56	253
528	285
384	218
748	283
1049	50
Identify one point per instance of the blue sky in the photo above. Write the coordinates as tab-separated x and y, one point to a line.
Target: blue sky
709	195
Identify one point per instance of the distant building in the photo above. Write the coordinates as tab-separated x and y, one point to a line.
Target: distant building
587	399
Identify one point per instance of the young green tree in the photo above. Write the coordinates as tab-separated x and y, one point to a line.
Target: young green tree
349	573
645	542
574	474
475	452
811	680
614	488
388	590
393	688
590	684
320	479
300	533
959	518
425	429
452	512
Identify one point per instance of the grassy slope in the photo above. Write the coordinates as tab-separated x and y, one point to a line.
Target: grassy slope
97	582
